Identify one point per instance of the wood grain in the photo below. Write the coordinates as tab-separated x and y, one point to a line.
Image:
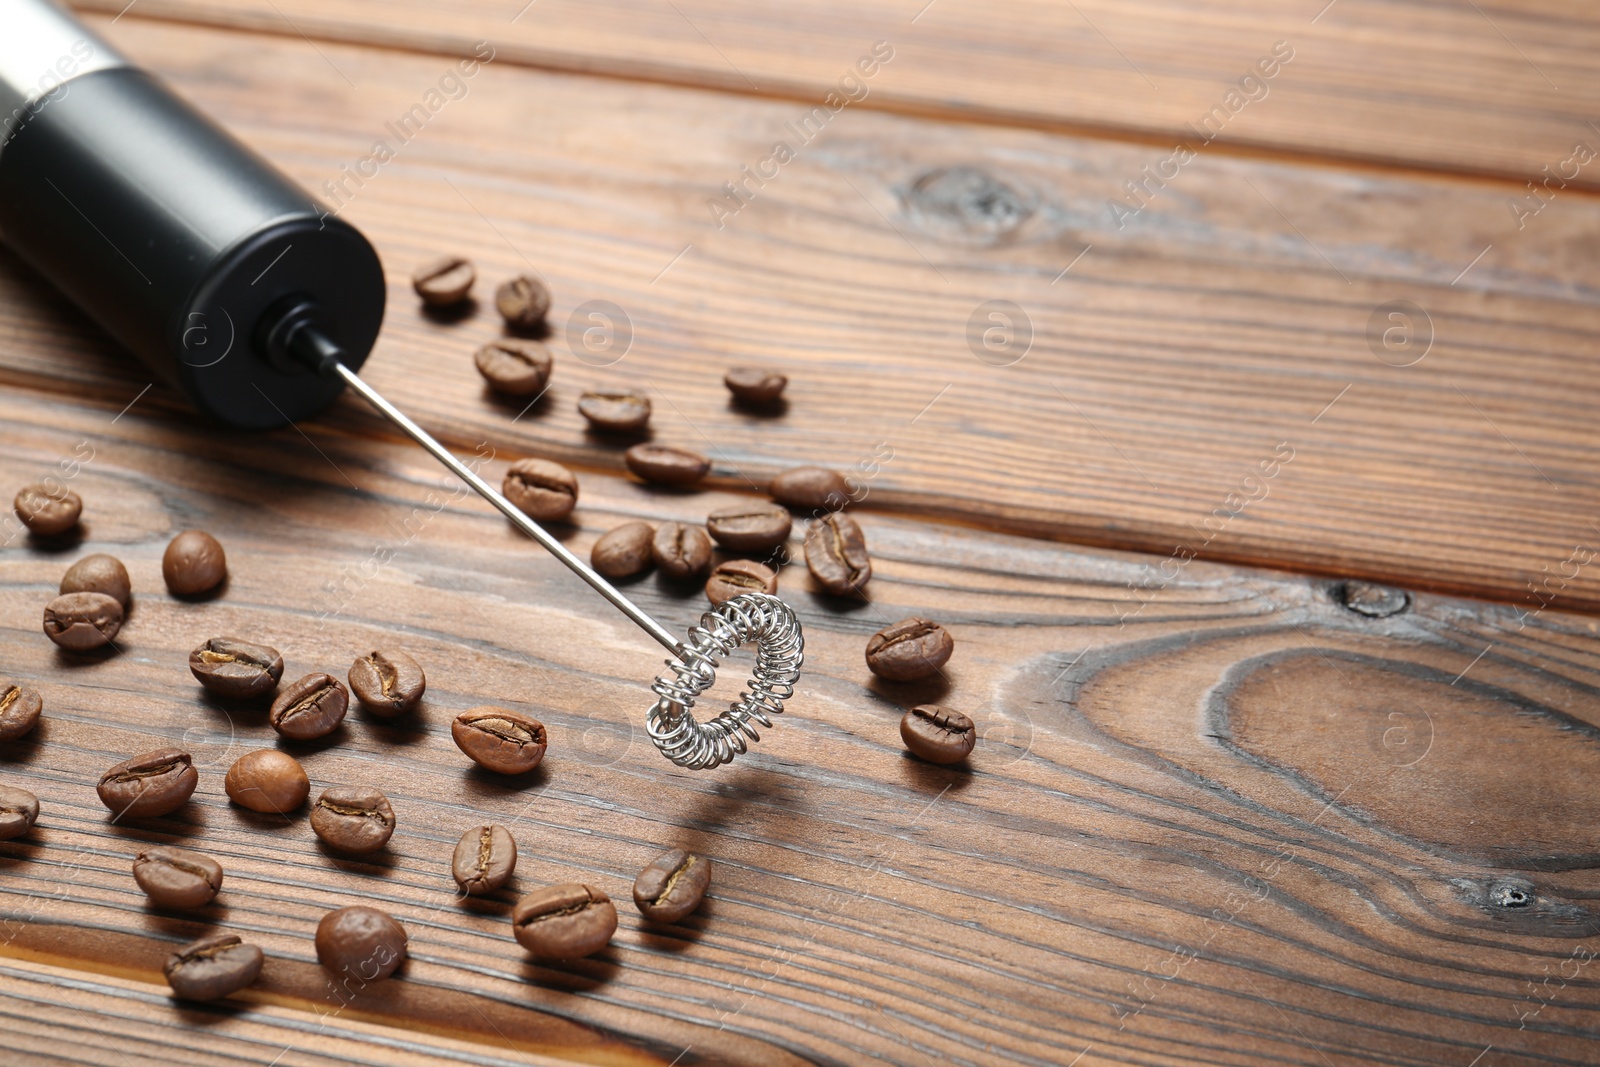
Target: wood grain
1222	820
56	1014
1172	360
1482	88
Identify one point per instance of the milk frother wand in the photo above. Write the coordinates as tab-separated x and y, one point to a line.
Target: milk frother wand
232	282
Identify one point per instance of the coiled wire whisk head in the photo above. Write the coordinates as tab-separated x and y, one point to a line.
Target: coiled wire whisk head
780	650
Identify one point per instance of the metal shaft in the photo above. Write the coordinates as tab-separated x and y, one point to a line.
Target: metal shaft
510	510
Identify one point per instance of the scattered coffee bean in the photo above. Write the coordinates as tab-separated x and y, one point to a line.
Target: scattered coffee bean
388	683
938	735
755	528
754	386
736	577
310	708
177	877
485	857
624	551
235	669
811	489
500	740
836	554
908	650
150	784
212	967
48	510
352	819
615	412
19	810
361	942
665	465
268	781
445	281
543	490
672	885
681	551
193	563
80	622
514	366
523	302
19	710
99	573
563	922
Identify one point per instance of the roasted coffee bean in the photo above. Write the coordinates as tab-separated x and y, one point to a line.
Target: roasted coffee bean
681	551
388	683
523	302
235	669
485	857
908	650
755	387
836	554
19	710
177	877
80	622
750	527
193	563
938	735
312	707
268	781
665	465
501	740
615	411
150	784
672	885
352	819
625	551
19	810
48	510
563	922
543	490
99	573
445	281
514	366
361	943
212	967
811	489
736	577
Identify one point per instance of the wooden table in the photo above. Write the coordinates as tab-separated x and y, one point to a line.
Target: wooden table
1255	783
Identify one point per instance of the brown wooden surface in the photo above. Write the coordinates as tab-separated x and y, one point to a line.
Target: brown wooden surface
1475	87
1167	363
1214	816
57	1014
1308	806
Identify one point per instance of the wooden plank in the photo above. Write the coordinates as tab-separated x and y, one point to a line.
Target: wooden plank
57	1014
1503	89
1227	324
1228	821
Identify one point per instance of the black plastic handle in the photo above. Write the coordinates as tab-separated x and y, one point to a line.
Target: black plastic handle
184	244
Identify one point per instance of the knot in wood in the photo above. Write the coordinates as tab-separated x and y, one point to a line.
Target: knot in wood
966	205
1373	601
1510	895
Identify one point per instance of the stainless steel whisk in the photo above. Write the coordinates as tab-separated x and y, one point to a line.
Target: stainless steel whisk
752	617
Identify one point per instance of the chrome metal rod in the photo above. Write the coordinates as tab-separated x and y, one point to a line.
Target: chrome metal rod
510	510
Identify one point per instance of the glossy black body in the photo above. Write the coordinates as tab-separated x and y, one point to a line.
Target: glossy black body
183	244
